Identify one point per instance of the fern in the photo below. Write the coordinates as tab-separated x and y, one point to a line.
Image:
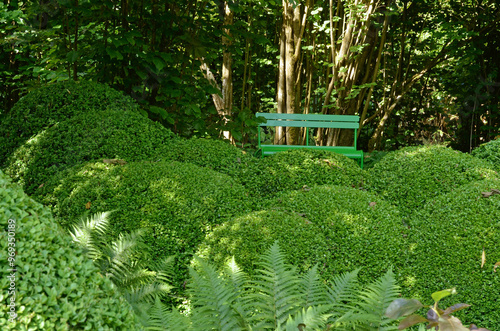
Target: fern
371	304
213	303
124	262
276	289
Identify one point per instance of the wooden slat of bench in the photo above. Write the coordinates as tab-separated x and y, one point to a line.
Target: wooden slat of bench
346	150
312	124
310	117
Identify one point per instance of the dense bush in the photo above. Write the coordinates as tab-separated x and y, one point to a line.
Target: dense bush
54	103
489	151
278	298
56	287
214	154
413	175
292	170
112	133
446	243
340	228
177	202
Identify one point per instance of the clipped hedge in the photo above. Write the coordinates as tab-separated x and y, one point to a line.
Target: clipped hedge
292	170
54	103
446	243
210	153
413	175
112	133
177	202
56	287
340	228
490	152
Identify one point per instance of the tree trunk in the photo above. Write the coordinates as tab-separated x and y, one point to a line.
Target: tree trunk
288	100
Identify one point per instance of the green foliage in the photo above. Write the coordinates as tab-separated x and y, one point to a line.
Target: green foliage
177	202
489	151
436	317
413	175
277	297
112	134
211	153
446	241
124	262
339	228
56	287
54	103
292	170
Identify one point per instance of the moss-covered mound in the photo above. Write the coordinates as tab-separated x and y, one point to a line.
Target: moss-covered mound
177	202
490	152
340	228
54	287
54	103
109	134
292	170
446	243
413	175
214	154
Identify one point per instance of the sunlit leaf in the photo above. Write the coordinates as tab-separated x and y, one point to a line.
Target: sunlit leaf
437	296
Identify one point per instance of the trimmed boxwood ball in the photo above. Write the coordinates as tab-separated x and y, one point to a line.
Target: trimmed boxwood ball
446	242
247	236
211	153
56	286
340	228
490	152
413	175
177	202
292	170
112	133
54	103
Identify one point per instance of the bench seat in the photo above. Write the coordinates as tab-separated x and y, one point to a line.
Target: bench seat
311	121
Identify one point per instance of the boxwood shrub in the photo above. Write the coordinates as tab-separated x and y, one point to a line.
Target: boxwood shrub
56	287
112	133
54	103
292	170
446	243
211	153
340	228
490	152
413	175
176	202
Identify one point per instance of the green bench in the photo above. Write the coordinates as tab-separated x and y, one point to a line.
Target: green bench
311	121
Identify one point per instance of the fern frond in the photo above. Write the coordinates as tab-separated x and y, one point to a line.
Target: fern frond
277	291
212	298
88	233
163	318
372	304
312	289
312	318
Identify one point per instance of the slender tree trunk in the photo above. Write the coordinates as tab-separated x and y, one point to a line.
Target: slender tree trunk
288	98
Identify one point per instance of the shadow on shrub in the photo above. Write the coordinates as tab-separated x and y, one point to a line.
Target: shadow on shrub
113	133
340	228
56	286
412	176
52	104
446	244
292	170
177	202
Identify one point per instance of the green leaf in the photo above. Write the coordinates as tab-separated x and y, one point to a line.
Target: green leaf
410	321
402	307
437	296
159	64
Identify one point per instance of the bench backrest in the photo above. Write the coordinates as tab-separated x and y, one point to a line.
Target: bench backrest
311	121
